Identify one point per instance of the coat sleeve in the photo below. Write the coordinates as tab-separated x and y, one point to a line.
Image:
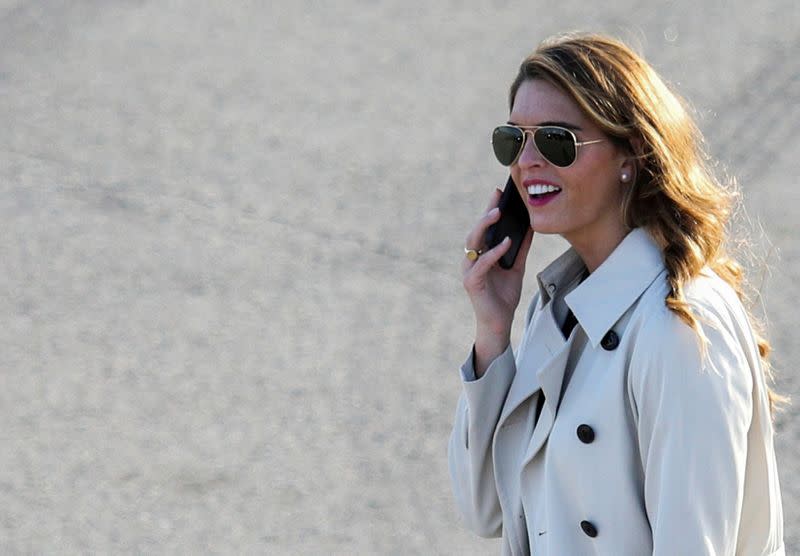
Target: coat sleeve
470	446
694	408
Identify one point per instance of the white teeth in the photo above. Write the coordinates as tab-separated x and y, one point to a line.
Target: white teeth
540	189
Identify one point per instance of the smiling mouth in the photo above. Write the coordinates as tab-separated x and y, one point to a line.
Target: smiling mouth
540	190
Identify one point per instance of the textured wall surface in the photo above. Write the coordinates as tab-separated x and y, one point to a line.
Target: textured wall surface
230	233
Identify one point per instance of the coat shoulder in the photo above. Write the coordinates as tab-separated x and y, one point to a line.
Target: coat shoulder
711	300
664	340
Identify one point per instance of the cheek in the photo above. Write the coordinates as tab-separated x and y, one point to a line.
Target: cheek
591	191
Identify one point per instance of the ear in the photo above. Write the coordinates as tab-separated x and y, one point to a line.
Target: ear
629	168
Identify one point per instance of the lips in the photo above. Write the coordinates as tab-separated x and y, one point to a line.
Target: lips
540	192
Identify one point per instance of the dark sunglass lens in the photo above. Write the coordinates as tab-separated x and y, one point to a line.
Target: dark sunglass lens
506	142
556	145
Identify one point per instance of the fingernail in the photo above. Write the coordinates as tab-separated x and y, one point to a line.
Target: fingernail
494	211
506	239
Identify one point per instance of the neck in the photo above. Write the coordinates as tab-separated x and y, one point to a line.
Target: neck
594	249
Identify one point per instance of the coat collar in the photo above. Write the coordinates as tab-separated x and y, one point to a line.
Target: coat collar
602	298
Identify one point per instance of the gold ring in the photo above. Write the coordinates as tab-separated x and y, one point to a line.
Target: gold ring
472	254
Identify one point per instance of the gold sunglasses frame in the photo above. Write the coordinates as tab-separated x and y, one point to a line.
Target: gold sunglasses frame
532	129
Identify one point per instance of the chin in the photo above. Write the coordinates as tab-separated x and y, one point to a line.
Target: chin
546	229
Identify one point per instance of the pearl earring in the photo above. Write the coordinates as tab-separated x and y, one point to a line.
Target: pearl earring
625	177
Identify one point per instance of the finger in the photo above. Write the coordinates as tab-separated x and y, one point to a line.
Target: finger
466	264
486	261
475	238
524	247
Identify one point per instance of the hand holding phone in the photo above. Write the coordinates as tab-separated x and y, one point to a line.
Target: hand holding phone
514	223
495	292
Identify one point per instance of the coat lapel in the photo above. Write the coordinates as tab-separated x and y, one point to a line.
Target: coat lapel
550	376
541	363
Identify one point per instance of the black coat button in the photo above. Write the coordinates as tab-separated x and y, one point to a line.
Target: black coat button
588	528
610	341
585	434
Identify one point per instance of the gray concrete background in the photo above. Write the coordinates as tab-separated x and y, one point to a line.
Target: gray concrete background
231	236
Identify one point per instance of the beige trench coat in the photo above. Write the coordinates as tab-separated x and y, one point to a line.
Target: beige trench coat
680	457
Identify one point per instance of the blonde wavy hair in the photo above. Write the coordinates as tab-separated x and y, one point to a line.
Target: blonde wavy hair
676	196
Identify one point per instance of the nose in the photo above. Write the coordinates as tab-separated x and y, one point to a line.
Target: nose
529	157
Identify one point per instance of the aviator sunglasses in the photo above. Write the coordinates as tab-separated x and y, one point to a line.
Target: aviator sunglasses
557	145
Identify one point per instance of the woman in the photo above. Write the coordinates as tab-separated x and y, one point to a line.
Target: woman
635	417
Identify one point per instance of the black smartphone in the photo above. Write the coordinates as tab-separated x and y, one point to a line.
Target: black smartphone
514	223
